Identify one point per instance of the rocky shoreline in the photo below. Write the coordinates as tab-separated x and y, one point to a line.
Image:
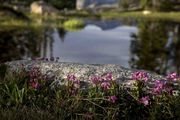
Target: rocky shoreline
60	70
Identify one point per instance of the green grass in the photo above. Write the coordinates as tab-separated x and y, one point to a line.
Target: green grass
80	14
170	16
34	21
25	113
55	20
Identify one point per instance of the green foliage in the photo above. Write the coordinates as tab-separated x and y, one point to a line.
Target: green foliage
11	12
13	89
73	24
26	113
61	4
124	4
102	99
162	5
157	5
150	48
165	107
144	3
14	94
3	69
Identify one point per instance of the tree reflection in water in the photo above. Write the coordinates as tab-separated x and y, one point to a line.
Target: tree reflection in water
156	47
27	42
18	43
62	33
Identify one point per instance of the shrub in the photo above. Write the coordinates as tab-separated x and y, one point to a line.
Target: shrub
73	25
124	4
163	5
60	4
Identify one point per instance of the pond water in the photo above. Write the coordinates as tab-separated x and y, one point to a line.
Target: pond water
151	45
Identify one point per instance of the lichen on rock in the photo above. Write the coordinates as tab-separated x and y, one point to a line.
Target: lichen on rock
58	71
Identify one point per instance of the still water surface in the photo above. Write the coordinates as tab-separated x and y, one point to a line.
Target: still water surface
94	45
151	45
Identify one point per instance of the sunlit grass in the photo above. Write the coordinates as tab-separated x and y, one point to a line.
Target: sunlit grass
73	25
56	19
35	20
114	14
13	22
38	22
172	16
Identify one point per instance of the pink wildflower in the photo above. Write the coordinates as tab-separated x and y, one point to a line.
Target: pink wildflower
71	77
172	76
140	75
34	85
162	86
73	91
159	86
95	79
145	100
88	115
112	99
74	80
108	76
105	85
35	73
169	90
76	84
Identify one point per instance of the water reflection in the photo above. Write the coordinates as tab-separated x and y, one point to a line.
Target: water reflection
18	43
47	43
150	45
62	33
104	24
94	45
156	47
